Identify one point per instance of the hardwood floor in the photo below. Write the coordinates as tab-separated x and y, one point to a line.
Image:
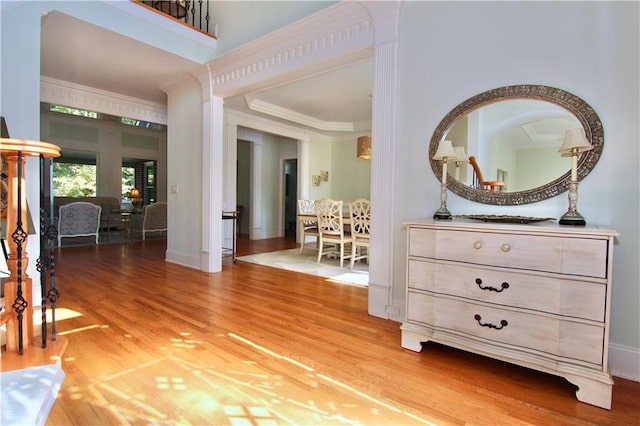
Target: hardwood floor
151	342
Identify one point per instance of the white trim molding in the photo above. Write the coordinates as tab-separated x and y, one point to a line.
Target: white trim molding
70	94
258	105
624	362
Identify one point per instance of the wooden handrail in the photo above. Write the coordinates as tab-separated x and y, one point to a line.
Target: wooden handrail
490	185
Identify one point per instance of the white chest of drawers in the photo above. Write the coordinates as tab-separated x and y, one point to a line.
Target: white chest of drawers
534	295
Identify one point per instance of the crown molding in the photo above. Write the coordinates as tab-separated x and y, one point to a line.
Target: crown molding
264	124
84	97
343	32
256	104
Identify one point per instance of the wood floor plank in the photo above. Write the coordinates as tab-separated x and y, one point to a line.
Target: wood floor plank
157	343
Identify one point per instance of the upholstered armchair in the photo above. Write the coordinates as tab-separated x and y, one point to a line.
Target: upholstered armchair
152	219
79	219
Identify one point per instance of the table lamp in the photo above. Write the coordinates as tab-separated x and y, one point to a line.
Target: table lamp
444	153
461	157
134	195
574	143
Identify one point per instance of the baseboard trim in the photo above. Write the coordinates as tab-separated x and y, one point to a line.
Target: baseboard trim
183	259
624	362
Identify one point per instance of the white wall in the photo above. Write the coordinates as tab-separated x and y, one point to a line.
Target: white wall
184	174
587	48
20	101
320	157
349	177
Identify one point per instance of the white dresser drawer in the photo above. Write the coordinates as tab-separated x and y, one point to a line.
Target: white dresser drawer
544	334
536	295
565	255
561	296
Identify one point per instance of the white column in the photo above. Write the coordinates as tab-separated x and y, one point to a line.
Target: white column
303	171
383	177
230	178
212	166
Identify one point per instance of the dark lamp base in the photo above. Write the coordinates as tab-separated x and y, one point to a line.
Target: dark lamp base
442	215
575	219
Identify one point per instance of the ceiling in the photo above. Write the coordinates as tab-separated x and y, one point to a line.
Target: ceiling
332	103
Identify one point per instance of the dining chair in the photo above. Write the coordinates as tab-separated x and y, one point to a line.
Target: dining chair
360	214
308	227
333	237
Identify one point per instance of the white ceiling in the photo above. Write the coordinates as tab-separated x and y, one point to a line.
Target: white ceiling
82	53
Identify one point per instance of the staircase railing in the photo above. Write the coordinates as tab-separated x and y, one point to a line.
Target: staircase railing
194	13
18	316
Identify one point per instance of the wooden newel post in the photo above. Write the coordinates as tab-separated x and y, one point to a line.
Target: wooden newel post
18	288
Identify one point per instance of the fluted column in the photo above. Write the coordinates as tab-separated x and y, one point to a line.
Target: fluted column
383	177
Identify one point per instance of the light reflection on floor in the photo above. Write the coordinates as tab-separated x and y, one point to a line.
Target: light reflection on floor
246	384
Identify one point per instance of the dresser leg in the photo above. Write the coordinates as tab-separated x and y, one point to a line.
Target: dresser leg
413	341
592	391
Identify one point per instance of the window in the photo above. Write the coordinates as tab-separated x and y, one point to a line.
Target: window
73	111
140	123
140	174
128	180
74	175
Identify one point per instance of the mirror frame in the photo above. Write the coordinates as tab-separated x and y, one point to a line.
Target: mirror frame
572	103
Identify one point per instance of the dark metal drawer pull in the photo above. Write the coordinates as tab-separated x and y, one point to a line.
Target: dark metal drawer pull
502	325
504	285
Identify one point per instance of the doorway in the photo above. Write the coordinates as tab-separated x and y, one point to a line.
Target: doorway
140	174
290	197
243	187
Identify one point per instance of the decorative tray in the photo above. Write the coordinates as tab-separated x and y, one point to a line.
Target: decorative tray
505	218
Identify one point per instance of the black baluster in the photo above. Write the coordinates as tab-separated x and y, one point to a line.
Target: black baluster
19	237
52	240
41	264
207	17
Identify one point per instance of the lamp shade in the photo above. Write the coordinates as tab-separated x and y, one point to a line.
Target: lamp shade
134	193
461	155
574	142
445	151
364	148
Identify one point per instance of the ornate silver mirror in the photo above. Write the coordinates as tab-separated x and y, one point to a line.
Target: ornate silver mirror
514	133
